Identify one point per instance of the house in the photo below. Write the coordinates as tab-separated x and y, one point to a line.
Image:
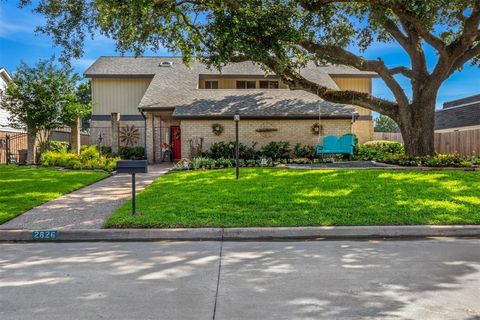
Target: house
5	78
458	115
160	102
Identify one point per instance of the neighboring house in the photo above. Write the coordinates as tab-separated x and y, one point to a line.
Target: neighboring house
461	114
181	104
5	78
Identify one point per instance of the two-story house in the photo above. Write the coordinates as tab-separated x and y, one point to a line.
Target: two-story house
160	102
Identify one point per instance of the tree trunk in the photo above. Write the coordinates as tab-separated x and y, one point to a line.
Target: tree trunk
75	136
31	146
417	124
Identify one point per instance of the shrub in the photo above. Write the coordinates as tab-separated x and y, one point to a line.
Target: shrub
88	160
224	163
89	153
378	150
276	150
56	145
106	151
226	150
438	160
203	163
305	151
386	146
132	153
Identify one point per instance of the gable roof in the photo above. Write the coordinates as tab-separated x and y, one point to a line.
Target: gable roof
177	87
459	113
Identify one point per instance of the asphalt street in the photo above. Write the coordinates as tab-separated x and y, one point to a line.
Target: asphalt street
414	279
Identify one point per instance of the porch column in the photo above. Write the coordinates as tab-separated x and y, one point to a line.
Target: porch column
115	128
150	127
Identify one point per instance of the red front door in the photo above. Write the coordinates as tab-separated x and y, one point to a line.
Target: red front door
176	143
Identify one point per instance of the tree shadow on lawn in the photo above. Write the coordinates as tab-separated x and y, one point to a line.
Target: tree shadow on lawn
273	197
267	280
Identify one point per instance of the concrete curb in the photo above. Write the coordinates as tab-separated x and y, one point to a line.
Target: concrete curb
239	234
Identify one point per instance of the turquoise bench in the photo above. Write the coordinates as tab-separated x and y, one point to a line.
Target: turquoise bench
333	145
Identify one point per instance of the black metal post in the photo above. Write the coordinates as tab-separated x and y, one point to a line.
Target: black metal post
237	151
236	118
134	205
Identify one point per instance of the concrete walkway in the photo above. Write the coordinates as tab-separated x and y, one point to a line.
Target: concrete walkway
241	280
86	208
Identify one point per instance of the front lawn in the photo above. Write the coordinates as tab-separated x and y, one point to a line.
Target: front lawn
23	188
281	197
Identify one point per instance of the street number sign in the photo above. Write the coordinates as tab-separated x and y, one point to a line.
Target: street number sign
44	235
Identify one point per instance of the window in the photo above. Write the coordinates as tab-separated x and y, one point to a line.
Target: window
246	84
211	84
265	84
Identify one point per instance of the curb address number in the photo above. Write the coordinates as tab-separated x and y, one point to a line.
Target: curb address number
45	235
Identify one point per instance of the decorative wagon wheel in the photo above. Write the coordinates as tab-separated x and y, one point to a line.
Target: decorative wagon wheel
129	135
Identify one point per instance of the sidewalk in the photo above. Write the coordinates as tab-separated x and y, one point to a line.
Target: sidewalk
85	208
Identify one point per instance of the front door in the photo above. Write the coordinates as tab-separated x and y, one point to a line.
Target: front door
176	143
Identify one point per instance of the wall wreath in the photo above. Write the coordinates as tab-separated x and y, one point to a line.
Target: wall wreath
217	129
316	129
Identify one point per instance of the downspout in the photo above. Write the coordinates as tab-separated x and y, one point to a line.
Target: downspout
144	134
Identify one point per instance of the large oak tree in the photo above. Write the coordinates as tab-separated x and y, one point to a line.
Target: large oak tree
282	35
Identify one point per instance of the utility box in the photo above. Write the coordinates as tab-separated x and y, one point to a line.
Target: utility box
132	166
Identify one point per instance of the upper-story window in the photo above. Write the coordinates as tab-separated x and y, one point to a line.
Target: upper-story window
241	84
267	84
211	84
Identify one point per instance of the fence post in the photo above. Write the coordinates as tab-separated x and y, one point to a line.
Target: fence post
7	149
115	132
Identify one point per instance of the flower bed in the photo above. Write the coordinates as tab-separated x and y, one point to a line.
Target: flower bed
222	154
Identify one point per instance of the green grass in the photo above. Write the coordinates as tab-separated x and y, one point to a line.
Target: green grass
280	197
22	188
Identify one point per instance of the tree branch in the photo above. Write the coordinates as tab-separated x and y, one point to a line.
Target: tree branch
342	56
430	38
407	72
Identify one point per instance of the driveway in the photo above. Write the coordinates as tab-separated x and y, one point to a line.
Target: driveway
422	279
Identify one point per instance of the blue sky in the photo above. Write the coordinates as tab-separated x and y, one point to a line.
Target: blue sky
18	42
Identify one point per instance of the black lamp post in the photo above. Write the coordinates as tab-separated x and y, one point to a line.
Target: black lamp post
236	118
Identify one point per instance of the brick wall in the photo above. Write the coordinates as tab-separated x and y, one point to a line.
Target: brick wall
294	131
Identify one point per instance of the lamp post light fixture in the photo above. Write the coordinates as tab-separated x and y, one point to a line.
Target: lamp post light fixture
236	118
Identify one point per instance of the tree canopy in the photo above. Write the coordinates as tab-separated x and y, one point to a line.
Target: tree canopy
385	124
283	35
43	97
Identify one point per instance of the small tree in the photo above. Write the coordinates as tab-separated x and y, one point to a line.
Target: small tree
385	124
76	108
35	99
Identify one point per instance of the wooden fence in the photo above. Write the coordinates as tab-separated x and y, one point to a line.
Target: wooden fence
465	142
64	135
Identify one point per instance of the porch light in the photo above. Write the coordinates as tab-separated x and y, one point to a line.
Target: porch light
236	116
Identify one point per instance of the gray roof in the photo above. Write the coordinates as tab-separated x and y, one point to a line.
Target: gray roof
260	104
459	113
177	86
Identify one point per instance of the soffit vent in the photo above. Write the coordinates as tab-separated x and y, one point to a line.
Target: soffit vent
165	64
